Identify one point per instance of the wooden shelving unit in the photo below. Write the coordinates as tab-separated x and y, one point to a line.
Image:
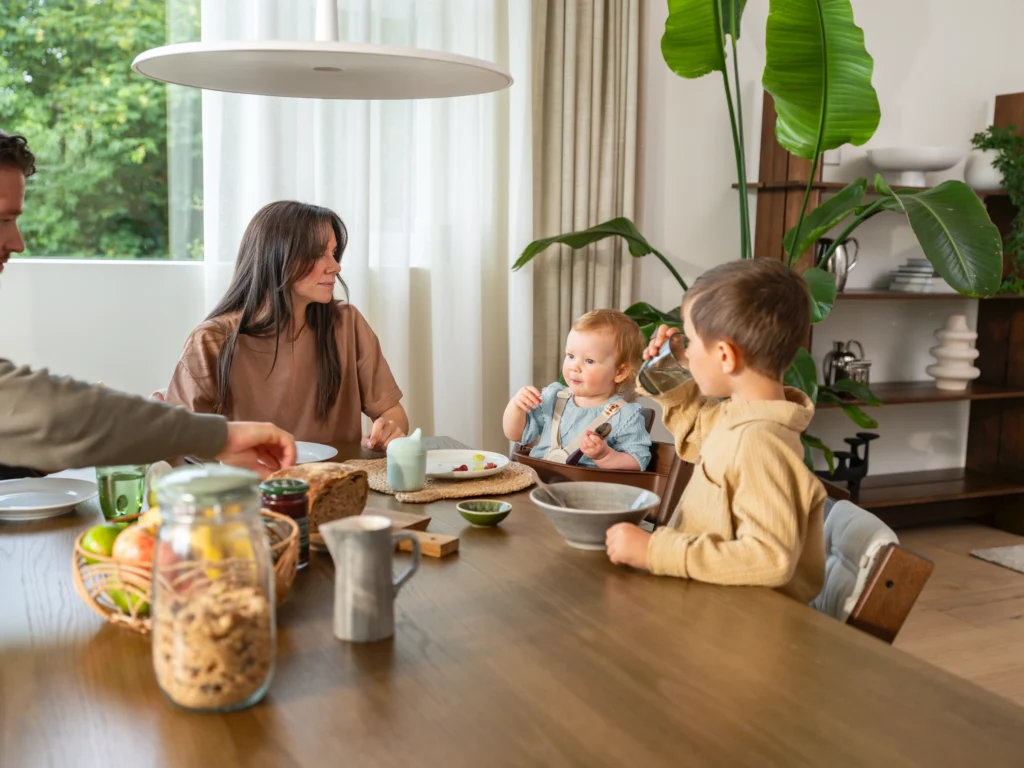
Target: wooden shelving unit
883	295
834	186
908	392
937	485
991	484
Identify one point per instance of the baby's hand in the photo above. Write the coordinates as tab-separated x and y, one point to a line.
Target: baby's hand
527	398
594	447
627	545
659	338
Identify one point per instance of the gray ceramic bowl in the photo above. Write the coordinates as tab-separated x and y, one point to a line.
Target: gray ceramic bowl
592	508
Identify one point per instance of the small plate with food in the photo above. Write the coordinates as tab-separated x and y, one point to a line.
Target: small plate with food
464	464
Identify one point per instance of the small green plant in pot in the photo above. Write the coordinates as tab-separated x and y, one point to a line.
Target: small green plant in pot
818	72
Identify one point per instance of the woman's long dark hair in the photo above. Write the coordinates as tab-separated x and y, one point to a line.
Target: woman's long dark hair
281	245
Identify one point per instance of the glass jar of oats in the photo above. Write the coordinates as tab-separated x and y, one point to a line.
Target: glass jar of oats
214	633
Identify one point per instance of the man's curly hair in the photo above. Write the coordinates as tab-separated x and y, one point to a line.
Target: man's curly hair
14	153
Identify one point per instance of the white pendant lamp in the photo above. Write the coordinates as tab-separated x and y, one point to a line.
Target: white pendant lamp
325	69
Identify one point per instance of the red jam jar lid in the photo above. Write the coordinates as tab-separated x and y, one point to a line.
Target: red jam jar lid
284	486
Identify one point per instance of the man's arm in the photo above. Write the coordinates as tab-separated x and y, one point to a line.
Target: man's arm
52	423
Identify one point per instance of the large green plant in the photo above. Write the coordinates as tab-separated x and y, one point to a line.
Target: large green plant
818	72
1010	163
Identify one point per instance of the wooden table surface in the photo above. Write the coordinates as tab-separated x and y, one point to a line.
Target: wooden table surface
517	651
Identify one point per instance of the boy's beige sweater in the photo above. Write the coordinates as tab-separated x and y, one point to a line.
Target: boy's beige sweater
752	514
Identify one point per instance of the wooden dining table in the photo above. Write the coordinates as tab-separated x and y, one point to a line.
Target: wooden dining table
516	651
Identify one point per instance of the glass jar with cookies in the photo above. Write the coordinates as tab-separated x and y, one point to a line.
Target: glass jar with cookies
213	591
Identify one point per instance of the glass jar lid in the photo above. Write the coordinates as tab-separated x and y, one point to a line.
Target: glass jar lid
207	486
284	486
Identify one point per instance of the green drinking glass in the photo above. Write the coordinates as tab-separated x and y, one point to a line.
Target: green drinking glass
122	489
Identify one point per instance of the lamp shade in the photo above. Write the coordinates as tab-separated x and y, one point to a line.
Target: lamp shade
321	70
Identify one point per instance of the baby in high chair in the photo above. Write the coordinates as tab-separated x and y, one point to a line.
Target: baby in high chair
602	354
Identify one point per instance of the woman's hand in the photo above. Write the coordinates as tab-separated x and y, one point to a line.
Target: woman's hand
383	432
660	337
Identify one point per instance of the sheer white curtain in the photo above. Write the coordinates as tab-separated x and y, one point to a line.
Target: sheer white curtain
435	195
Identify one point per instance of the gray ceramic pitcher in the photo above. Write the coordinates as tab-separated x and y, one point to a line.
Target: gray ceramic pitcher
364	586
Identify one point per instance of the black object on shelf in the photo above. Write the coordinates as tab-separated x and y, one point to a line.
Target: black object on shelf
852	467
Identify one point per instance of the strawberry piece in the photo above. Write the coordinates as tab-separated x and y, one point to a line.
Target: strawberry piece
461	468
490	466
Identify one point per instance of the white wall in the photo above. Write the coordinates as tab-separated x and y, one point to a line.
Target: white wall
120	322
938	66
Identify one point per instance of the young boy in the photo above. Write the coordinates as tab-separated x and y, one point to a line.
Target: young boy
752	513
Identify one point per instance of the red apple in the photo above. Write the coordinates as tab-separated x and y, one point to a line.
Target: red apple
134	545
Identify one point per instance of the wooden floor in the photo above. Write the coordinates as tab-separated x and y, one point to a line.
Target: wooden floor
970	618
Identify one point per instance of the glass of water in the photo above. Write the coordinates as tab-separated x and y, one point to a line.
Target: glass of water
666	370
121	489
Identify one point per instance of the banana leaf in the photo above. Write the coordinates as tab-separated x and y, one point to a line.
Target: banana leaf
693	44
819	74
823	293
956	234
825	216
803	374
811	442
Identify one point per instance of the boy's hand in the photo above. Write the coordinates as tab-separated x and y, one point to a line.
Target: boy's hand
594	447
660	337
627	545
527	398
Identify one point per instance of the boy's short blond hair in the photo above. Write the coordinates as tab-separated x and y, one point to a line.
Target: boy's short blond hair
629	340
760	306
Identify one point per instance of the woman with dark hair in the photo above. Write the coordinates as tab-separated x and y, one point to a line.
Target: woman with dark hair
280	346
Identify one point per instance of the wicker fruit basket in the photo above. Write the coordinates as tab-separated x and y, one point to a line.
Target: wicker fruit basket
121	593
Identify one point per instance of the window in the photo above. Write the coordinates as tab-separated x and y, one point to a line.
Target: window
119	156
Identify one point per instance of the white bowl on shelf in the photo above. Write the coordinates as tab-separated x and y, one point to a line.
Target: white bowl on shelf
906	166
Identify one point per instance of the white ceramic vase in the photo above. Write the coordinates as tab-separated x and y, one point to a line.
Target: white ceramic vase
955	354
980	171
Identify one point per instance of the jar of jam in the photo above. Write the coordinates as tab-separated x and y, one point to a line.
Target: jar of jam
288	497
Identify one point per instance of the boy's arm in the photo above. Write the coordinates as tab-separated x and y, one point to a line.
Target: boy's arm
770	509
689	416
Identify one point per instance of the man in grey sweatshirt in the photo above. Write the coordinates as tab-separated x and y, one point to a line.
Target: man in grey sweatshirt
50	423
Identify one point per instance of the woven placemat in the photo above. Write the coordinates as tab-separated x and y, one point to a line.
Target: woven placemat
516	477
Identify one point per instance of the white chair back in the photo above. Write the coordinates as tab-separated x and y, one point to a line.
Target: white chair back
853	539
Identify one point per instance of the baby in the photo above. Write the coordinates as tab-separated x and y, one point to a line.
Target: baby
602	352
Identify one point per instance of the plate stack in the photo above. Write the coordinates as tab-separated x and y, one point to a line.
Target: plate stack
918	276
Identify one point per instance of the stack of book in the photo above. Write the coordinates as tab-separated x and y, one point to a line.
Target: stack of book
918	276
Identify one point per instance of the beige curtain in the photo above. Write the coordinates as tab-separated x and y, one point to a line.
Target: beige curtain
585	80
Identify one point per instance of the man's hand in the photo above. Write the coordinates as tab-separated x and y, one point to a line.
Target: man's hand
527	398
593	446
262	448
382	433
627	545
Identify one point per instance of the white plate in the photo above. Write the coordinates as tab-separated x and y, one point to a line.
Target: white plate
310	452
36	498
441	463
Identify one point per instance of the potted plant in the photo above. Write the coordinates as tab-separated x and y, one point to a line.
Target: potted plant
1004	148
818	71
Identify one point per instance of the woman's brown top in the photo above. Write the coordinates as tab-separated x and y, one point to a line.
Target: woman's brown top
284	392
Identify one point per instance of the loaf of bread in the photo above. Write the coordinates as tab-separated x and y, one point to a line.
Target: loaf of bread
335	490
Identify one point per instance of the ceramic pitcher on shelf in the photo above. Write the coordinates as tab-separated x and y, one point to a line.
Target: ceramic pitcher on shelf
841	261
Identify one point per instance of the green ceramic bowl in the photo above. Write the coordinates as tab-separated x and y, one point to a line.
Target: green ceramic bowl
484	512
